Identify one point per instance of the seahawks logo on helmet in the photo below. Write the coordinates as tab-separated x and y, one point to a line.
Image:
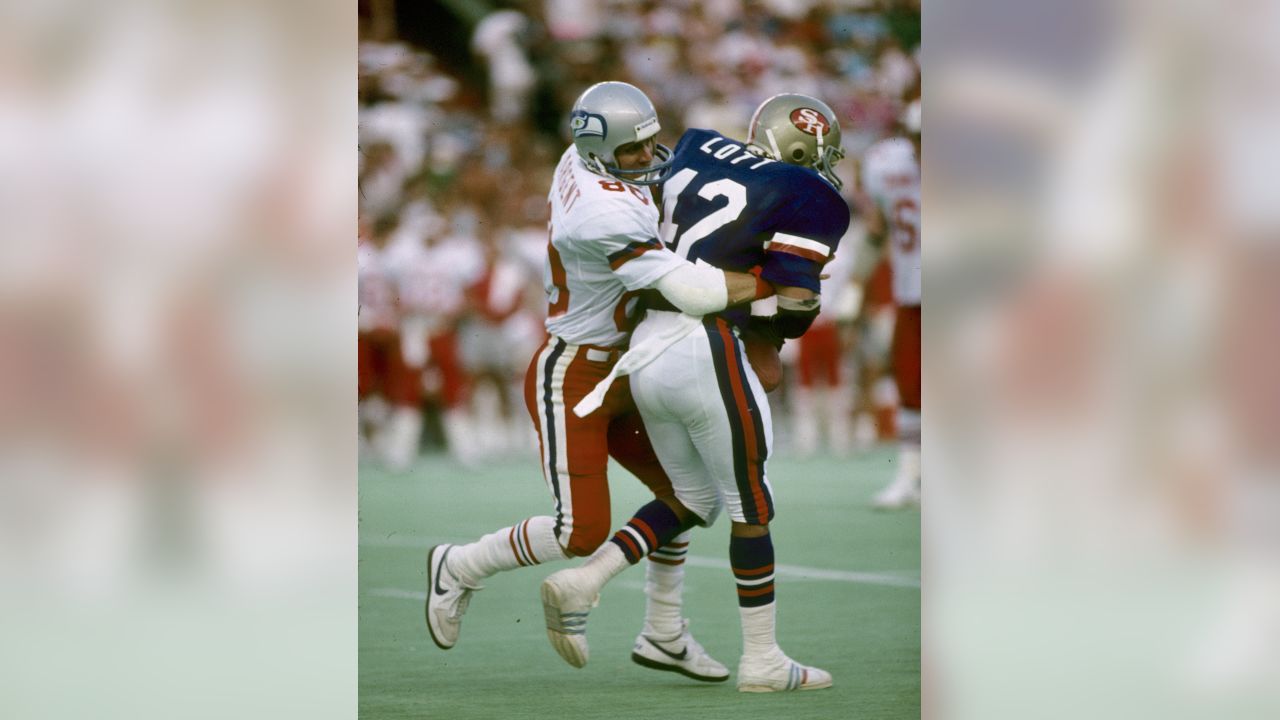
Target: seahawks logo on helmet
810	121
586	124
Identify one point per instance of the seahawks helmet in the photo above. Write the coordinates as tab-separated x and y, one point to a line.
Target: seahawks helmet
800	130
609	115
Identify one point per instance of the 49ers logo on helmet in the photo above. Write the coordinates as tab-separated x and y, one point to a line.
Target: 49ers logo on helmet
810	121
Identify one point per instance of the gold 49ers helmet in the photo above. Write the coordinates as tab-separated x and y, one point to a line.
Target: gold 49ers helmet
800	130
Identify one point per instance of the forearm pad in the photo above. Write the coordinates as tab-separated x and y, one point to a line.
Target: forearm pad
795	315
695	289
790	324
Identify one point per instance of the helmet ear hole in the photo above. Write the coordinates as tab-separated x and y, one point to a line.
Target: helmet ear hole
797	154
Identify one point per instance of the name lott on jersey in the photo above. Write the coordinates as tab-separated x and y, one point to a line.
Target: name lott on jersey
726	151
566	186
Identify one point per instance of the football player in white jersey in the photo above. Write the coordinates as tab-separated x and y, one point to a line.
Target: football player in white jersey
891	177
773	203
603	249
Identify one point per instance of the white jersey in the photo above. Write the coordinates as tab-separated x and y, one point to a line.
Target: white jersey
376	285
433	280
603	244
891	176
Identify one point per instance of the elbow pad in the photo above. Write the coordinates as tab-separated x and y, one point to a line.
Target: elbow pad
695	289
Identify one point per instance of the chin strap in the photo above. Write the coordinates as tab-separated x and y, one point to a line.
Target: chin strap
652	175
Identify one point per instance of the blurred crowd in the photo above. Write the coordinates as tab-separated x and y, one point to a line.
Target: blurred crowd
456	155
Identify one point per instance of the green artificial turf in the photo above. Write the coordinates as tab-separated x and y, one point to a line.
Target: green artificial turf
860	619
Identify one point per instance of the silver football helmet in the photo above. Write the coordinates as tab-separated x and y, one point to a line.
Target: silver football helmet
800	130
609	115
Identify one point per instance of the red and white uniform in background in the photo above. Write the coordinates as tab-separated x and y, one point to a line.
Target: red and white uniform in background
388	389
433	293
494	298
496	339
874	349
432	285
891	176
381	364
603	247
820	362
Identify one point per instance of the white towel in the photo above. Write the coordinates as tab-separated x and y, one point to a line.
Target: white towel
636	357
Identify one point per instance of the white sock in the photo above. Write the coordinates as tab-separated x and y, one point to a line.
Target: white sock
664	589
529	542
603	565
758	624
458	431
804	420
401	437
908	465
840	418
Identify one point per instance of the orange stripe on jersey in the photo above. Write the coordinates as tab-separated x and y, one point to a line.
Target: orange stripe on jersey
561	303
756	592
754	571
631	252
744	414
818	257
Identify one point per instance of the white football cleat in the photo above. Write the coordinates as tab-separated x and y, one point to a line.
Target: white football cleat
682	654
447	598
566	603
775	672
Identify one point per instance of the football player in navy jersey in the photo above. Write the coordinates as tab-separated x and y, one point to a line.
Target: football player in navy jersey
770	205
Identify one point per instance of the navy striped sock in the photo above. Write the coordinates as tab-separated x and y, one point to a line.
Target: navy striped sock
670	554
653	526
752	561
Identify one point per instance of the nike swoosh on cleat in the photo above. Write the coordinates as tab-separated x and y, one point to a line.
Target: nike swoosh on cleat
439	590
684	651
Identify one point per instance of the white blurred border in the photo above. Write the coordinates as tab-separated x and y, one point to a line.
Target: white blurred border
1101	443
177	467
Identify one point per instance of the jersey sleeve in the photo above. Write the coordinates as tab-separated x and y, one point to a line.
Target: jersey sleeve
640	264
631	248
807	240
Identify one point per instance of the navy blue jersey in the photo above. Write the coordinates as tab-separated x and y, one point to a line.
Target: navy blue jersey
738	211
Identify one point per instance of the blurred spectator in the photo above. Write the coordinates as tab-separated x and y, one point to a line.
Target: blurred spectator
499	38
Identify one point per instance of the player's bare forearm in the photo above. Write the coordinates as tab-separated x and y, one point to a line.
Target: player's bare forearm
795	293
745	287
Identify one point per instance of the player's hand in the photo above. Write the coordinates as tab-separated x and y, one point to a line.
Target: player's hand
763	356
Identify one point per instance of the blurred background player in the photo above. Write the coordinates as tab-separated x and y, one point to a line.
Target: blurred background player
497	335
433	279
771	204
602	249
822	394
891	178
389	391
